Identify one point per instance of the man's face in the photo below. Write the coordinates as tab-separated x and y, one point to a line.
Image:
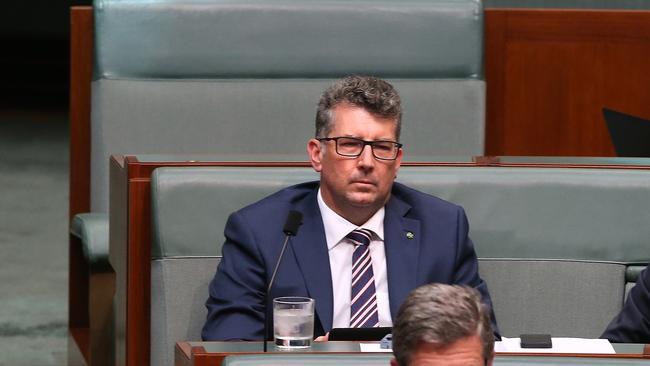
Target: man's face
355	187
466	351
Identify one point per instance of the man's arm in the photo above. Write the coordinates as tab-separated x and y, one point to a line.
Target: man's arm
236	304
632	324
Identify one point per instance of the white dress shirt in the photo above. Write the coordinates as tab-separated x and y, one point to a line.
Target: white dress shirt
340	254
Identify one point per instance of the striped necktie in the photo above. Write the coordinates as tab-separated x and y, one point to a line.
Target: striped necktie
363	304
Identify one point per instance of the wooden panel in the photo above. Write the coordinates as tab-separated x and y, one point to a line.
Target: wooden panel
195	354
101	293
118	254
78	283
79	188
75	355
550	72
81	55
78	297
139	273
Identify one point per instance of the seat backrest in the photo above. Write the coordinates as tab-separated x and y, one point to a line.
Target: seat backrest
556	244
243	79
546	234
547	213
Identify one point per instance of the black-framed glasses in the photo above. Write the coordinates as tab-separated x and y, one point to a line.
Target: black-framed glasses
353	147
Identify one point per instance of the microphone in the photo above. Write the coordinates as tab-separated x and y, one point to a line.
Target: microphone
291	225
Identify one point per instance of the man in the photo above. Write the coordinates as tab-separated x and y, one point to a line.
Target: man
443	325
632	324
365	241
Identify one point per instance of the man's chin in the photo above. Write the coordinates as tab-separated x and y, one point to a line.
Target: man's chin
362	199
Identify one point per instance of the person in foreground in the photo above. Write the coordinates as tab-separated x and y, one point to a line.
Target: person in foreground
632	324
443	325
364	242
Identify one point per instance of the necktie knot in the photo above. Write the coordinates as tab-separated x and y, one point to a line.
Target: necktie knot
360	236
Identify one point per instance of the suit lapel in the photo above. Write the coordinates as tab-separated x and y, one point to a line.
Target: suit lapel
310	248
402	246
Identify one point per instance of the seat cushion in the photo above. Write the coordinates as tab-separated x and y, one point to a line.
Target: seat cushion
179	288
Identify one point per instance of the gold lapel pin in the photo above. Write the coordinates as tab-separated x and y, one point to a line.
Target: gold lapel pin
410	235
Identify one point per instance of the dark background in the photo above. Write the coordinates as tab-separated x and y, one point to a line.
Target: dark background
35	58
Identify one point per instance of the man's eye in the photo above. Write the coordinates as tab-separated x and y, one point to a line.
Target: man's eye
350	144
383	147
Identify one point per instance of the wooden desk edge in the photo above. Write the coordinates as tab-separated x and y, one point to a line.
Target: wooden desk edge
188	355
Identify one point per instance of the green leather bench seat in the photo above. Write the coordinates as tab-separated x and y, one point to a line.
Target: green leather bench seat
554	244
536	213
633	272
232	79
242	80
92	231
548	213
288	39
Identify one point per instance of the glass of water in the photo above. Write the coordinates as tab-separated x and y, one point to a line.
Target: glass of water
293	322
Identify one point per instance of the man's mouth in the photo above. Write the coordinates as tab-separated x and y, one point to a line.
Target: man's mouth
364	182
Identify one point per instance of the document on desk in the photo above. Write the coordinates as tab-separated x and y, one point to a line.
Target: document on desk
373	347
560	345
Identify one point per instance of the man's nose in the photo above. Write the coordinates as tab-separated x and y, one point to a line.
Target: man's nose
366	159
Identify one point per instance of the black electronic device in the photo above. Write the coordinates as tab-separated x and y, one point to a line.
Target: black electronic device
630	134
536	341
359	334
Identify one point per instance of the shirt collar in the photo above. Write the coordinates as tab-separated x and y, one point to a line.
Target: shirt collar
336	227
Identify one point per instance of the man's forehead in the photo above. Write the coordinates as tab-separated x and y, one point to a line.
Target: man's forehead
354	114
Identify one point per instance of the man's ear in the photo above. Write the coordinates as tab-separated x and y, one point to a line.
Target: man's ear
393	362
314	150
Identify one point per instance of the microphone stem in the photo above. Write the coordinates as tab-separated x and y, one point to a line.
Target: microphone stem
268	289
277	264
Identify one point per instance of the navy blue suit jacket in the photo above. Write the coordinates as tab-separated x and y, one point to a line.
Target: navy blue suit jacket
439	251
632	324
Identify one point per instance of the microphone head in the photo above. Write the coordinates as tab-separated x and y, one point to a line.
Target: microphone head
294	220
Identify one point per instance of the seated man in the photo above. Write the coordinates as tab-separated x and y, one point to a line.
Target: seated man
443	325
632	324
365	241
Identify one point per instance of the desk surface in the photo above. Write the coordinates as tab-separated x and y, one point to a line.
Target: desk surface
213	353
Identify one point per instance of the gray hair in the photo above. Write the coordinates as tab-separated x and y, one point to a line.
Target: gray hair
441	314
376	96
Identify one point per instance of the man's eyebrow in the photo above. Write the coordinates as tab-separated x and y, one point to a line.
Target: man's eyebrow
378	139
